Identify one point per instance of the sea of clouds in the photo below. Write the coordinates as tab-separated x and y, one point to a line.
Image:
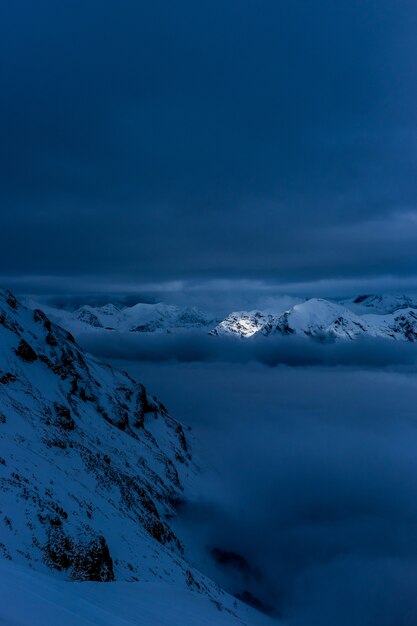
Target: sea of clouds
197	346
308	456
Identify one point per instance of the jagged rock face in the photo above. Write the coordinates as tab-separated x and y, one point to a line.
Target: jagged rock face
91	466
89	318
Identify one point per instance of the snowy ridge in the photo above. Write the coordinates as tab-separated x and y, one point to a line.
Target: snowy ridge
387	316
84	449
145	318
325	320
91	466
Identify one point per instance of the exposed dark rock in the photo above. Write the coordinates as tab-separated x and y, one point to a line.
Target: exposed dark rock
11	300
192	583
87	560
89	318
181	437
407	327
8	378
122	419
144	406
93	562
172	474
25	352
40	317
64	417
156	529
51	340
59	548
44	359
85	396
9	323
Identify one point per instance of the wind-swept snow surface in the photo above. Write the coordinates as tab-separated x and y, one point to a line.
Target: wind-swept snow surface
33	599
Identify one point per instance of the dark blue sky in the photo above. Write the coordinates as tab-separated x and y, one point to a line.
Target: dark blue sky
145	142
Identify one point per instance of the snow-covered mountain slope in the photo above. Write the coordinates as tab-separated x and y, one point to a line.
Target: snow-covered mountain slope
145	318
324	320
91	467
33	599
91	470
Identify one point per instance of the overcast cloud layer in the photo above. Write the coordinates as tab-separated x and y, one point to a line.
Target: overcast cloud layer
149	142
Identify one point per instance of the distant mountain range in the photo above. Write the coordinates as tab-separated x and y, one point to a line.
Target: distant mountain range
141	318
383	316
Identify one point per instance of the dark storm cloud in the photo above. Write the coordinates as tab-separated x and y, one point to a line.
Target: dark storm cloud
154	141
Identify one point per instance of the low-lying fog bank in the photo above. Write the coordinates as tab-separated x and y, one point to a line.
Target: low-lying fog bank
197	346
309	500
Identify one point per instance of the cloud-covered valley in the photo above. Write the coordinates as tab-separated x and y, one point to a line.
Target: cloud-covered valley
272	351
309	475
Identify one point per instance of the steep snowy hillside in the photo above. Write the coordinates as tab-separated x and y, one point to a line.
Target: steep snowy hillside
145	318
91	468
324	320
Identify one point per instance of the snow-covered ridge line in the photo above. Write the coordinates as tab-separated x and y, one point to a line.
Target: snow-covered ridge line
140	318
325	320
384	316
